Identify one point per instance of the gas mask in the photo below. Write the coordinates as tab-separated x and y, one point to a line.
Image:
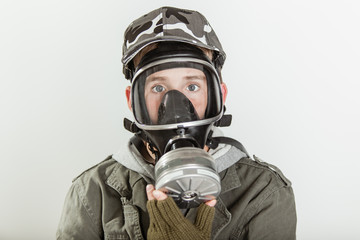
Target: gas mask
176	99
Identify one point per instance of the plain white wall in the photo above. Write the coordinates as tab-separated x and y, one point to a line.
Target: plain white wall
293	77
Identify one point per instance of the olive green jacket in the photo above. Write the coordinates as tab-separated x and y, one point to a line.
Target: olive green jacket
108	201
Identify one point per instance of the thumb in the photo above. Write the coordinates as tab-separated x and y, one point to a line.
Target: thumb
211	203
159	195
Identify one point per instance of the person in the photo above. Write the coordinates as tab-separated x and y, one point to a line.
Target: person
178	177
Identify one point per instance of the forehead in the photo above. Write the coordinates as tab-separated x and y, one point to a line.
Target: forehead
177	73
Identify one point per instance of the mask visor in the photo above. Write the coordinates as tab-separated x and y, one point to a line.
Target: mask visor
178	90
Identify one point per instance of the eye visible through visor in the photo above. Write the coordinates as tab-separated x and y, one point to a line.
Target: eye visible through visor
176	91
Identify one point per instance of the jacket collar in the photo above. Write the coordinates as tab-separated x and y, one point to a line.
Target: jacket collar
229	179
123	181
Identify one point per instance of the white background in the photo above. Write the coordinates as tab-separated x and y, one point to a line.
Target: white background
293	76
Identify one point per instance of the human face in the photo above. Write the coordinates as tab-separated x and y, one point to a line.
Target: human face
189	81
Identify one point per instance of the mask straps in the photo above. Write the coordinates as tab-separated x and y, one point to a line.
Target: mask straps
131	127
213	142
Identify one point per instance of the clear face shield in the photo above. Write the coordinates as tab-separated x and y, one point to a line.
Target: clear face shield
176	98
173	92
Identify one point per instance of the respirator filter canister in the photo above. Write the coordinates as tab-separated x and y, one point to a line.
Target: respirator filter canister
187	175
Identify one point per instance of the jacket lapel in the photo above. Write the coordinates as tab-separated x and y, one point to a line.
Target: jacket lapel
230	180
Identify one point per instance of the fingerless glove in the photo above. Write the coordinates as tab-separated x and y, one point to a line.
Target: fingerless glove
167	222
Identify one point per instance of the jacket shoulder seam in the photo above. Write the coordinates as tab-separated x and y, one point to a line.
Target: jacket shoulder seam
89	169
276	173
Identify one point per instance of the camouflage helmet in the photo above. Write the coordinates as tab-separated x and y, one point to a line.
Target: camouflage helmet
170	24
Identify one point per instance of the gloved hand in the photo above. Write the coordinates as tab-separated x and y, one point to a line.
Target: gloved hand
167	222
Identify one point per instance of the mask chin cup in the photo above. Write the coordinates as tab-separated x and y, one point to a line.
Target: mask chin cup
188	175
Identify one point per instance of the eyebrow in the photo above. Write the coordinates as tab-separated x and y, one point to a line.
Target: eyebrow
152	79
189	78
196	77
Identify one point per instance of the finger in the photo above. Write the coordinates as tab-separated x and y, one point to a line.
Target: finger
211	203
149	191
159	195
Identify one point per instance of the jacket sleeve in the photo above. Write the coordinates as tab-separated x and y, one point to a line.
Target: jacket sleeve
77	220
275	217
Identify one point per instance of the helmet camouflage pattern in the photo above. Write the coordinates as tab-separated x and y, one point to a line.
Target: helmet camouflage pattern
170	24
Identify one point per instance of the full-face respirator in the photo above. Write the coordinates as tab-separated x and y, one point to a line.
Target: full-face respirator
176	99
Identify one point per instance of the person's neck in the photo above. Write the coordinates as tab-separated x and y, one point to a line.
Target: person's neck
149	155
